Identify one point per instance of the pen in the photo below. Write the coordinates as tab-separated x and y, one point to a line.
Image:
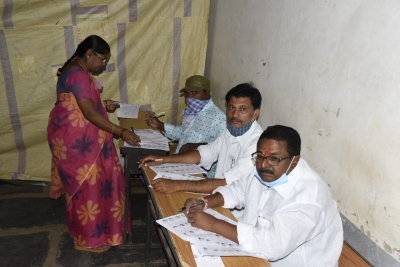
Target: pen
157	115
193	205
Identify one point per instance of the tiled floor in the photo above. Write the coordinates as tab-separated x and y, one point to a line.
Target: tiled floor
33	231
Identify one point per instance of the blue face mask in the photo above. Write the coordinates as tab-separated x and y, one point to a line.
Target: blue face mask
281	180
235	131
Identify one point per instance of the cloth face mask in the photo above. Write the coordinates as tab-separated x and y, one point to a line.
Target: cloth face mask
281	180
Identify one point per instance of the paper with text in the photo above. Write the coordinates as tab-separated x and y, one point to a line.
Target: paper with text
179	225
151	139
205	261
216	245
178	168
177	176
128	111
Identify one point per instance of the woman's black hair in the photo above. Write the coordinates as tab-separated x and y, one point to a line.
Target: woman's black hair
94	42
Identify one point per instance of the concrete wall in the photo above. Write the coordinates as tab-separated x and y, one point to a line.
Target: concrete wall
331	70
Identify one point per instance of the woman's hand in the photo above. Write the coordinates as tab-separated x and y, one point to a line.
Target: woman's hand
131	138
111	105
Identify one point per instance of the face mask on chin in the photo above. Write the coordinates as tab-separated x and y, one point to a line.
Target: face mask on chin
281	180
239	131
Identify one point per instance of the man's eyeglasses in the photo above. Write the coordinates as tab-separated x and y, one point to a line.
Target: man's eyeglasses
103	59
271	160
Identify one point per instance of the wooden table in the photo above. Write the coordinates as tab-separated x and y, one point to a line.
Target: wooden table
165	205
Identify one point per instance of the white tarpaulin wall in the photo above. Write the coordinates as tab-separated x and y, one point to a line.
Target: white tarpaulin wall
155	46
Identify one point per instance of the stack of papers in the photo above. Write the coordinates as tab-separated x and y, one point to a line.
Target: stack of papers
206	243
151	139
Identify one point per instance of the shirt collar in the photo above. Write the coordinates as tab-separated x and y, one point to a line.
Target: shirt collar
285	189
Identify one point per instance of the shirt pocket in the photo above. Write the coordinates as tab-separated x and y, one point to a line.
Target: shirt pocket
263	221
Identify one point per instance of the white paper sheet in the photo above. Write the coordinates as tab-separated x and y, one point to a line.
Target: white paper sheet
207	243
178	168
177	177
216	245
179	225
151	139
205	261
128	111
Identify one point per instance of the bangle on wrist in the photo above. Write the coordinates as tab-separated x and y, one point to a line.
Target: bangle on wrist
205	202
121	134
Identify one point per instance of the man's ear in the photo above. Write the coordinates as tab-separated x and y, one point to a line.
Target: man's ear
295	161
256	114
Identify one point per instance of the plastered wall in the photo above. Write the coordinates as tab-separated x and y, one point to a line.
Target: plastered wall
331	70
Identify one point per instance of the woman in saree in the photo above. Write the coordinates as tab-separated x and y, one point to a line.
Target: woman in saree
85	163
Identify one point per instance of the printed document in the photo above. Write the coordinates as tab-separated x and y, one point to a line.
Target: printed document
151	139
178	168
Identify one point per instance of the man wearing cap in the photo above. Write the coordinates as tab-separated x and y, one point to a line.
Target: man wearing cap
202	120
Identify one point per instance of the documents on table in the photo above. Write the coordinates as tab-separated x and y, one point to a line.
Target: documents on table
207	243
151	139
128	111
179	225
204	261
178	168
176	176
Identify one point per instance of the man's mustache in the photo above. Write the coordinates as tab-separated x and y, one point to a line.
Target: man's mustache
235	120
263	170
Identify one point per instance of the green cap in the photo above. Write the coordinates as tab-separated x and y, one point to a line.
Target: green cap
196	83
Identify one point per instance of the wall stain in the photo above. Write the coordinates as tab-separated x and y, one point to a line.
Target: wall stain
368	233
387	247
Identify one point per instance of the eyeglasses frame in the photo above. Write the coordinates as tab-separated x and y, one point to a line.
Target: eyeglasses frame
266	157
103	59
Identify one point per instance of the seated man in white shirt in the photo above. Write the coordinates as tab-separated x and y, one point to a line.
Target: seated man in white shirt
232	149
289	213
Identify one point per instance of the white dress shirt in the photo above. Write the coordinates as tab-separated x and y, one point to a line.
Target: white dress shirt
232	153
293	224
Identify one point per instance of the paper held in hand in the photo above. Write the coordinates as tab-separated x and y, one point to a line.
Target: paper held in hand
128	111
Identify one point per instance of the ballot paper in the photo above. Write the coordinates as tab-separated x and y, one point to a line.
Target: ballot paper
128	111
151	139
176	176
178	168
207	243
216	245
179	225
204	261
